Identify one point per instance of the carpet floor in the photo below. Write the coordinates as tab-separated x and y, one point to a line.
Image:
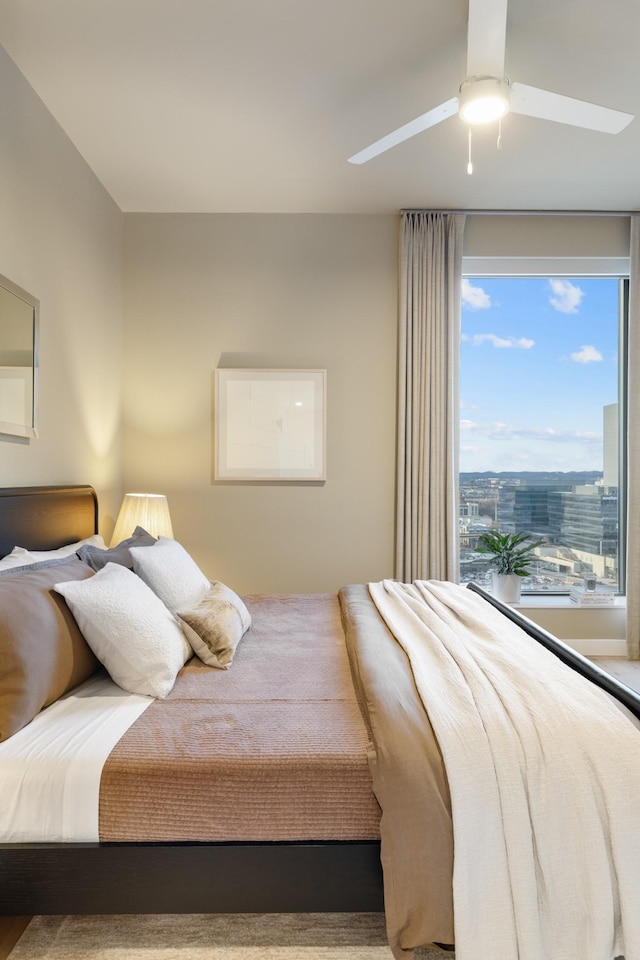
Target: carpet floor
316	936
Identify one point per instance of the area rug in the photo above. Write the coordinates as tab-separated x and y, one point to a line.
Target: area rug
300	936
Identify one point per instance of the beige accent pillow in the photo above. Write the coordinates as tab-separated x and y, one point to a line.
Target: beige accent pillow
42	651
216	625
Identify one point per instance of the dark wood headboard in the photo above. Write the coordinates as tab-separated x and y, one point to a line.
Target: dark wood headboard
44	518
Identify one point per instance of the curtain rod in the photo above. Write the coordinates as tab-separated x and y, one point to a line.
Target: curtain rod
527	213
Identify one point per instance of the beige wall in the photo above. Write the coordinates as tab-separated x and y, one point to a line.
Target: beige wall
61	239
270	291
546	236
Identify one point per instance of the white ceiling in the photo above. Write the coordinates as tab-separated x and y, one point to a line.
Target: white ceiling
255	105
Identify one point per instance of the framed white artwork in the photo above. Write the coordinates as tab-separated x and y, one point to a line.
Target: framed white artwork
270	424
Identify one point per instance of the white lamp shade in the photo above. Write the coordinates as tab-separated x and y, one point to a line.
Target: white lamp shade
147	510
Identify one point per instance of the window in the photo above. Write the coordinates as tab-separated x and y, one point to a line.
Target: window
541	407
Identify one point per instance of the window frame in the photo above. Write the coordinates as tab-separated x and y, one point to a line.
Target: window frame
477	268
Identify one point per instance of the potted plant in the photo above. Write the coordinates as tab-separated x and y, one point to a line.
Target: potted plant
511	555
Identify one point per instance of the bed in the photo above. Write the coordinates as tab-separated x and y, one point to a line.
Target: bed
169	877
289	872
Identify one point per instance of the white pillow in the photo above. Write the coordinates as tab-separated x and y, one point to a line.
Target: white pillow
15	560
23	556
171	573
129	629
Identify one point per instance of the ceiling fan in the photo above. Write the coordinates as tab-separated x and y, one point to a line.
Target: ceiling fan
487	94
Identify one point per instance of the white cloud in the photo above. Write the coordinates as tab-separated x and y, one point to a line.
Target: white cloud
505	431
502	446
474	297
503	343
587	354
499	445
567	296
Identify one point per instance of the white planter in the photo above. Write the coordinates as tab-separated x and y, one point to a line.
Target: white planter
506	587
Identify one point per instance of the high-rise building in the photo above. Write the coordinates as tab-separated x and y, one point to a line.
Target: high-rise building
586	519
610	445
579	518
526	509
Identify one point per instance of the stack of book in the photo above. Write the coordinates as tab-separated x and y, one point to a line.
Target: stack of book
589	599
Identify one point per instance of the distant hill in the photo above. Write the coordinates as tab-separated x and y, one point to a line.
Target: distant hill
573	477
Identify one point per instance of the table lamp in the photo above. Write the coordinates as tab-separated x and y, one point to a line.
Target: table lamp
147	510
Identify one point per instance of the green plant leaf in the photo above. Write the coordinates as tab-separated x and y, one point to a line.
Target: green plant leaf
512	552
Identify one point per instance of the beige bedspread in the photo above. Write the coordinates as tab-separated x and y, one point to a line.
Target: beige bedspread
409	780
275	748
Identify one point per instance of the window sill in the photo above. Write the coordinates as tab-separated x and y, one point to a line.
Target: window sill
592	631
539	601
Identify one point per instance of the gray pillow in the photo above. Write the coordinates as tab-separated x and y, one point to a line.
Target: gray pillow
43	654
35	565
97	558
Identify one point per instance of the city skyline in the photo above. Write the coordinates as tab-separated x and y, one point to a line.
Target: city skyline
538	364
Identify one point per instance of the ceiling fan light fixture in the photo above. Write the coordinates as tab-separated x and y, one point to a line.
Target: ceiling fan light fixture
487	94
484	99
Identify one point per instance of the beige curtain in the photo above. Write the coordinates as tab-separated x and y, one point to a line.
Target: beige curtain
428	406
633	447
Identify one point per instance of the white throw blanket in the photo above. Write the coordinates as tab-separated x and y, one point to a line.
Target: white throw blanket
544	774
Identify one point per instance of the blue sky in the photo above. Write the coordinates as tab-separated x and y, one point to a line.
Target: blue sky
538	362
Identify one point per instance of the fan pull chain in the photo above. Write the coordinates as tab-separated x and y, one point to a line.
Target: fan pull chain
469	164
499	143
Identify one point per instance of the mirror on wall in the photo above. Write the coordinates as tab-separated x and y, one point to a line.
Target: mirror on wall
18	361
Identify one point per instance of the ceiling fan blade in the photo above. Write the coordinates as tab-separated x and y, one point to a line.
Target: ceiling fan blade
423	122
486	38
533	102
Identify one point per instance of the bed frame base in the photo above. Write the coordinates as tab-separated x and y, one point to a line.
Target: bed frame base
94	878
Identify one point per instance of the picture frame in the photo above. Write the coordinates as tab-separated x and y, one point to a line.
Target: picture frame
270	425
19	331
